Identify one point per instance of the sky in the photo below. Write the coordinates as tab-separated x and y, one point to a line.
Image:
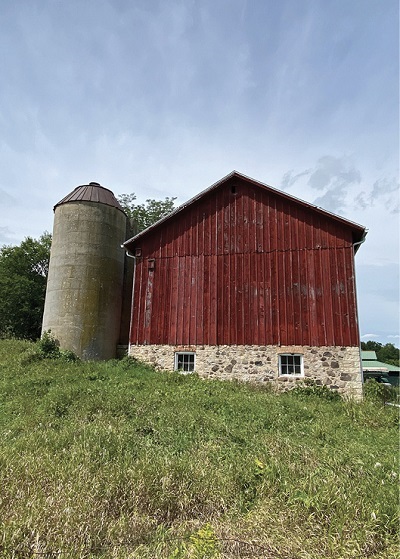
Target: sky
165	97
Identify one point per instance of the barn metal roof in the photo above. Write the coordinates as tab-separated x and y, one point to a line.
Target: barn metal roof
359	231
92	192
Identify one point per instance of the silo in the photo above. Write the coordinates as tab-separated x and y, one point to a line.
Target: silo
86	271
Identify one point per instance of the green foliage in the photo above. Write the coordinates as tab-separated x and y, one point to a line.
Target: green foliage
203	544
387	353
144	215
23	277
48	348
113	459
310	388
379	392
68	355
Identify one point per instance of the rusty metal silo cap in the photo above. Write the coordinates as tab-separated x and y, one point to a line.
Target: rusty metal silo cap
92	192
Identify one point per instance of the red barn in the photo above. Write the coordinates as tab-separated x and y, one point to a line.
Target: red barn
247	282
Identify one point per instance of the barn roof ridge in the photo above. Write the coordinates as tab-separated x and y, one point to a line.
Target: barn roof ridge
254	182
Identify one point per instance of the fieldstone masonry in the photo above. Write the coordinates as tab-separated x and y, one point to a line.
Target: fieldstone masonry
339	368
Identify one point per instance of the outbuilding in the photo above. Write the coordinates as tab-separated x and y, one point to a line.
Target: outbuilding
377	370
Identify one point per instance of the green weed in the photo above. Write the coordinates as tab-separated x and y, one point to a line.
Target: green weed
379	392
48	348
310	388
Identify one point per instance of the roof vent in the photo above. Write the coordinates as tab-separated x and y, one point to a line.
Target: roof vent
94	184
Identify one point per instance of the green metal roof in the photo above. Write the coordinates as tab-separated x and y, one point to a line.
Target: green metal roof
371	365
369	355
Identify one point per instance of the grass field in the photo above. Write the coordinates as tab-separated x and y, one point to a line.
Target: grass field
114	460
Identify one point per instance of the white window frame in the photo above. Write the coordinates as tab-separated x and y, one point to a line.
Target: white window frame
292	355
176	358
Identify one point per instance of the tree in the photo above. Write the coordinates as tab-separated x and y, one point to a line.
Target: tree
143	215
371	346
23	278
389	354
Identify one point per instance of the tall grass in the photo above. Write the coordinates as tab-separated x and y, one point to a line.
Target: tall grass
114	460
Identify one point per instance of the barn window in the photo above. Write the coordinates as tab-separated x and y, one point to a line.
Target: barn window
291	364
184	361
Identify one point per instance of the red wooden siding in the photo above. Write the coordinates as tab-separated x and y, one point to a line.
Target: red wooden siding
243	265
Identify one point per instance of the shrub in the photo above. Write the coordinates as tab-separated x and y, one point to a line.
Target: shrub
128	362
48	346
68	355
310	388
378	392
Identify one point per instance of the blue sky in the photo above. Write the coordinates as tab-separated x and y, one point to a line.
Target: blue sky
165	97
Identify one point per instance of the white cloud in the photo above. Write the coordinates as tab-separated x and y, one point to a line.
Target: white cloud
335	177
366	337
384	190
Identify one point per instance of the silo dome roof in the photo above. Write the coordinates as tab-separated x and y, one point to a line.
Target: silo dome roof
92	192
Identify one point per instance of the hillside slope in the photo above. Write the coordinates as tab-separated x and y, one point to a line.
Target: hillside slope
101	460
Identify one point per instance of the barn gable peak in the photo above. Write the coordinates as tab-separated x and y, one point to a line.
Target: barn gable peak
359	232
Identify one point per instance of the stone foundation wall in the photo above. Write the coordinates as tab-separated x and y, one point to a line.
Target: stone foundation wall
339	368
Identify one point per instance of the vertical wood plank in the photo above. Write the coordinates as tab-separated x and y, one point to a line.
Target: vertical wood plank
173	326
246	266
200	316
213	300
351	280
206	300
193	299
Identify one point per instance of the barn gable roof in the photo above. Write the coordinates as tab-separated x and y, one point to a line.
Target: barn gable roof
359	232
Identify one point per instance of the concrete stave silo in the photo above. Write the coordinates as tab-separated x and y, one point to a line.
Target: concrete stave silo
86	273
